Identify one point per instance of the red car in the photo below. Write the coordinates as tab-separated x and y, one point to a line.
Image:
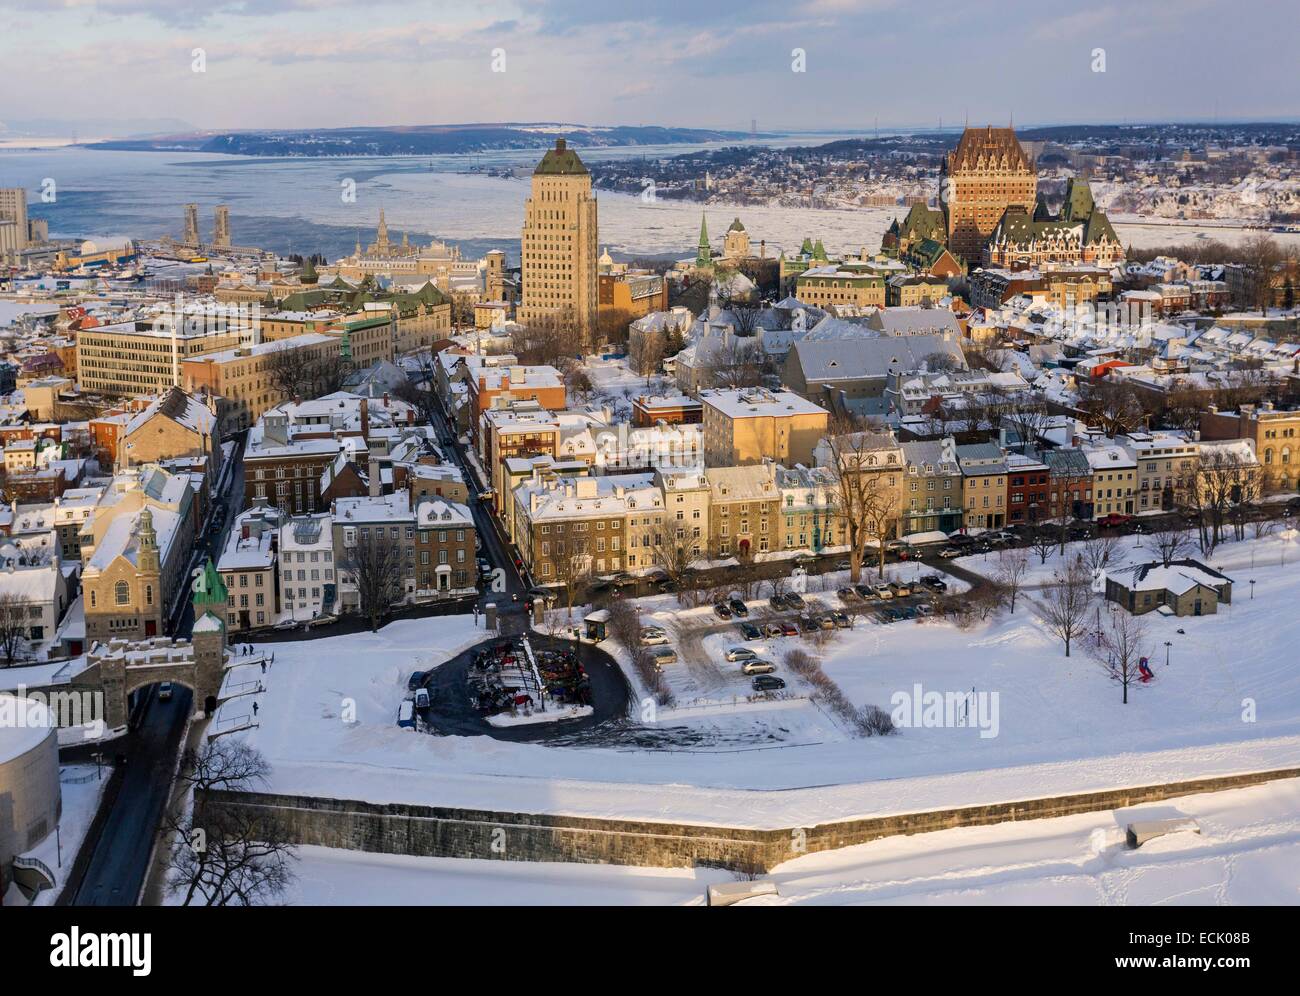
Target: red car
789	629
1114	519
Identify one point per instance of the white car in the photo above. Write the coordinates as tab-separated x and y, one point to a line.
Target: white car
741	654
757	667
653	637
883	590
165	692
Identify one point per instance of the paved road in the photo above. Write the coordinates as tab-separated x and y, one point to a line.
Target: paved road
493	545
121	856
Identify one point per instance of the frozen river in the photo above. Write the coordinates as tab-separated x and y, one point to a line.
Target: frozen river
298	205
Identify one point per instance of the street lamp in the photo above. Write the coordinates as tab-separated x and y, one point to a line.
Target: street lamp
1252	589
1168	644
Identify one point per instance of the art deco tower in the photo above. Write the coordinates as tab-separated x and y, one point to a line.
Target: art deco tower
558	247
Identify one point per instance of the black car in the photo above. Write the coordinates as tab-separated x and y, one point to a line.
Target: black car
416	680
792	600
934	582
750	632
864	591
738	608
777	602
767	683
721	610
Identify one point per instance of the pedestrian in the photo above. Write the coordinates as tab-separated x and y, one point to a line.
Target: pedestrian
264	667
254	708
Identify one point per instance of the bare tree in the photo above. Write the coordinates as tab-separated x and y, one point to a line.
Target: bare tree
1114	406
573	569
1121	648
1044	538
226	855
1012	567
1097	553
1222	478
1029	418
14	620
1259	254
861	495
1065	603
1170	544
646	351
675	555
735	364
373	563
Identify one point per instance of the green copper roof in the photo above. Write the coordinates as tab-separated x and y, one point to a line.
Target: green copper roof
560	161
208	589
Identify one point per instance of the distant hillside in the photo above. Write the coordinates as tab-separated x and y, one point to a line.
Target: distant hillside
419	140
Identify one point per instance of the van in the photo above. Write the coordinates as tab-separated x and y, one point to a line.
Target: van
406	714
422	699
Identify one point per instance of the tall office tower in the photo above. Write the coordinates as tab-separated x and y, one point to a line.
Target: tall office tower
987	173
13	208
558	247
221	227
191	225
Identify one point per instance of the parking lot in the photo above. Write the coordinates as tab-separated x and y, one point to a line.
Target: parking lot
701	639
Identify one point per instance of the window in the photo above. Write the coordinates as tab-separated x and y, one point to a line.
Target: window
122	593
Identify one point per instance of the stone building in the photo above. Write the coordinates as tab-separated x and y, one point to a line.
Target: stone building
558	247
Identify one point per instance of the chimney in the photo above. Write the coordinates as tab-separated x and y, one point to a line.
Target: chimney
373	473
365	418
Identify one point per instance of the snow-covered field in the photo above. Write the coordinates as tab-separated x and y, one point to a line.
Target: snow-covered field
1059	723
1247	852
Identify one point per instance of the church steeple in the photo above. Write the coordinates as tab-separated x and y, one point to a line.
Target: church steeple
148	560
704	254
381	233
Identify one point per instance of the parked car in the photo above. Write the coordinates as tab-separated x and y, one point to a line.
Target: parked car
808	624
774	629
738	608
663	655
767	683
653	636
750	632
948	552
1114	519
740	654
721	610
406	714
826	622
883	590
865	591
961	539
165	691
757	666
901	589
416	680
844	565
793	600
422	698
848	595
789	629
934	582
777	602
842	620
925	609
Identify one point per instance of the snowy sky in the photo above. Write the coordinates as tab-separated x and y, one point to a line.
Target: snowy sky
320	63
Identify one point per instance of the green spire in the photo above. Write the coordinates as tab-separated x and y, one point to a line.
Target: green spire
704	256
209	590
